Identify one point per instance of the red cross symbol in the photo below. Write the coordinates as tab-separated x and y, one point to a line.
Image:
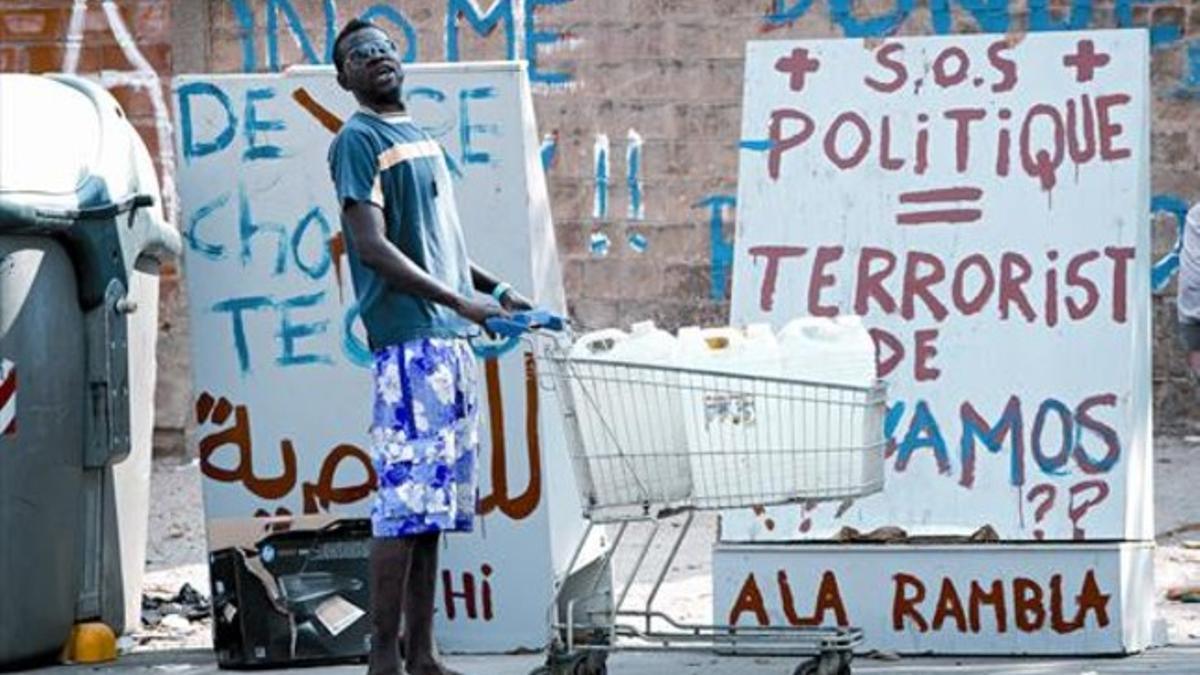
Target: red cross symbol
1085	61
798	65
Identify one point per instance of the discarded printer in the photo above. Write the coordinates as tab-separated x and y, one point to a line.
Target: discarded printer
297	596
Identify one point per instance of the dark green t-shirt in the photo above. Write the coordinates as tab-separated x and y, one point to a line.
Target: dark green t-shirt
390	162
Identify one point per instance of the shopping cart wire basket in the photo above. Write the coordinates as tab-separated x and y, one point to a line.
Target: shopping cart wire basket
651	442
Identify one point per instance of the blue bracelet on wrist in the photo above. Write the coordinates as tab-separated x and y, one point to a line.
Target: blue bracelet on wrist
500	290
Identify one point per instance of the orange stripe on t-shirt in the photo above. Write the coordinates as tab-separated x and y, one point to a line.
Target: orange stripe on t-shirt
402	153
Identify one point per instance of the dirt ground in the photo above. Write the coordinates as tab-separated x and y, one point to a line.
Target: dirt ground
176	550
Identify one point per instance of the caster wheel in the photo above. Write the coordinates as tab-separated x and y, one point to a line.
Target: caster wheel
808	667
591	663
827	663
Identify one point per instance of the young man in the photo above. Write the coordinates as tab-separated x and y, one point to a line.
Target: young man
1188	297
415	286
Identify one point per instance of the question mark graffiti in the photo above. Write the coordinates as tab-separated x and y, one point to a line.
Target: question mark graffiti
761	511
1076	512
807	508
1049	491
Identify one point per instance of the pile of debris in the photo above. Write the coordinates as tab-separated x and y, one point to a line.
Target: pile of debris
172	622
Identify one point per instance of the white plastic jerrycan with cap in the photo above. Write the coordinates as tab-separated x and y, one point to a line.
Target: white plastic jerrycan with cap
753	350
827	425
731	412
829	350
631	424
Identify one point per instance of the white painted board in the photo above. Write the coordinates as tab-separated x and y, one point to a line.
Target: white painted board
283	400
981	201
1050	599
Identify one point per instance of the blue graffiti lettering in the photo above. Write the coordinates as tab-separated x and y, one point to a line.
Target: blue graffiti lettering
1053	465
466	129
1009	427
991	15
325	231
296	26
756	144
1160	35
535	38
1166	267
891	422
236	306
633	178
548	150
843	14
781	13
207	249
290	332
254	125
397	18
1190	88
502	10
193	148
923	432
720	248
600	207
1192	78
248	230
245	19
1041	17
355	349
435	120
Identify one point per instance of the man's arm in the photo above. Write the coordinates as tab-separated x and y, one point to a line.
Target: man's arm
485	282
366	225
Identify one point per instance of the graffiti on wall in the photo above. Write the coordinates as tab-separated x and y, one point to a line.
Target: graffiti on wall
525	36
142	77
930	243
521	26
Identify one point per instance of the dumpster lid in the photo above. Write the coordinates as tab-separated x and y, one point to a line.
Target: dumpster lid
66	145
51	135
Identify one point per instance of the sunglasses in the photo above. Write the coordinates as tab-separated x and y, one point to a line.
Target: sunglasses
366	51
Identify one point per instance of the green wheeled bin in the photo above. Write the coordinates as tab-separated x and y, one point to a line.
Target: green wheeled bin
82	234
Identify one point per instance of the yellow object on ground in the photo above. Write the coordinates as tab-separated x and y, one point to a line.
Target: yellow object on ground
91	642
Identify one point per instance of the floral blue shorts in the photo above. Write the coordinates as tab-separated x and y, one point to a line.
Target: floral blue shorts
425	438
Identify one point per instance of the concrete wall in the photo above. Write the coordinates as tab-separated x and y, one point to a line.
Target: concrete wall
654	244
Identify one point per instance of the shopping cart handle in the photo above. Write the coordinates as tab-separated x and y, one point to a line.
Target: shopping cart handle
510	328
516	325
505	327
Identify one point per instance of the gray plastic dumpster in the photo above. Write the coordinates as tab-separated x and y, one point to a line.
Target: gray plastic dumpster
81	235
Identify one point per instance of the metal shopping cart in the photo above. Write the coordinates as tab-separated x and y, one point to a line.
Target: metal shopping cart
651	443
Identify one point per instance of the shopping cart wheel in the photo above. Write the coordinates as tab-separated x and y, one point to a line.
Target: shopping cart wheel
826	663
578	663
590	663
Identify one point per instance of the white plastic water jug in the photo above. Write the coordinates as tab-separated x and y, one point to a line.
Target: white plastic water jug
827	426
833	351
631	424
732	413
598	344
647	344
750	351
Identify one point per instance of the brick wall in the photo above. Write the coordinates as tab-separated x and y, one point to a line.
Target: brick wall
669	70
